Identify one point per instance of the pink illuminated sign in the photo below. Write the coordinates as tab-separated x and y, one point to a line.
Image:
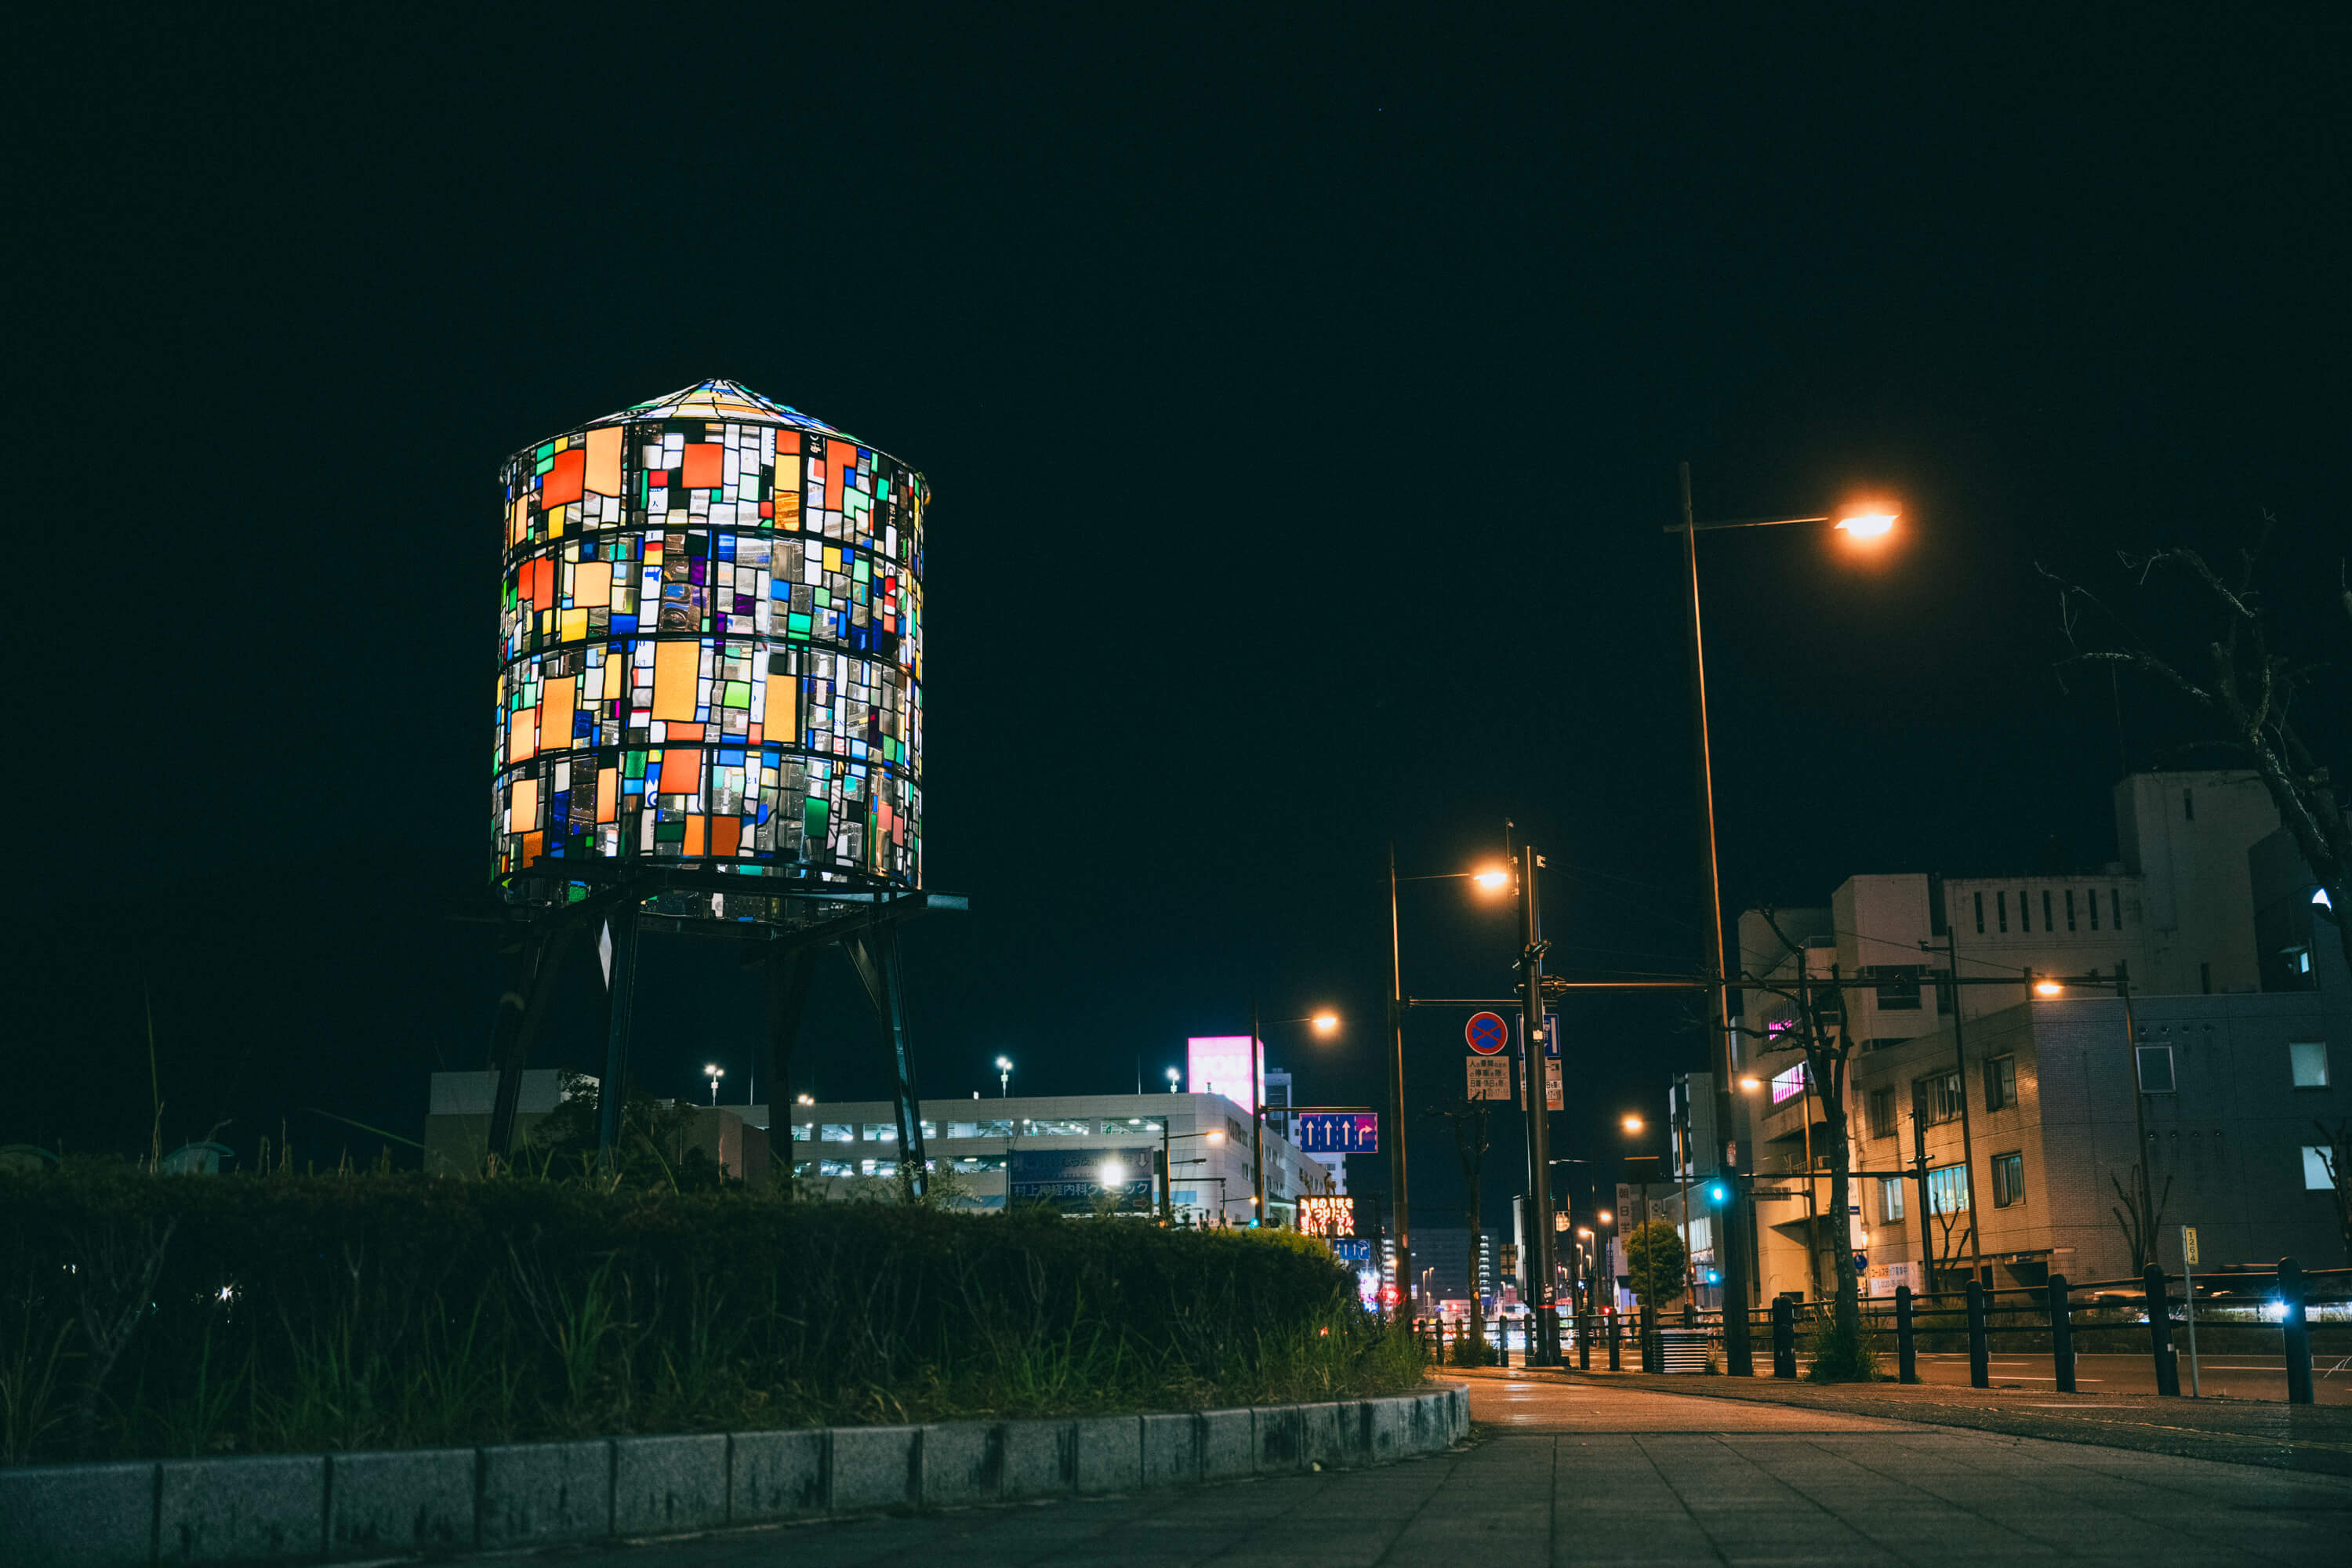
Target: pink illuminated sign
1221	1064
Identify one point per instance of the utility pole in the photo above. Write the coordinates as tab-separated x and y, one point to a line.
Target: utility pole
1257	1121
1537	1078
1396	1104
1737	1359
1967	1143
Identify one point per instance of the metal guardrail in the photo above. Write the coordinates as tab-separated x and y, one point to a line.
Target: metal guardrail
2051	1313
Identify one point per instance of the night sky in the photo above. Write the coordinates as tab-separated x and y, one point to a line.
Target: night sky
1301	398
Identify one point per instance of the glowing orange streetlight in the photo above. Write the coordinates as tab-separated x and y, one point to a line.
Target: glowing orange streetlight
1495	880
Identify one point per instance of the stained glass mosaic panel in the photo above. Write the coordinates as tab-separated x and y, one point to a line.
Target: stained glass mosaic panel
710	646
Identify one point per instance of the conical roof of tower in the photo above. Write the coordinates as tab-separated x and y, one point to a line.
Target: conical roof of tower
717	399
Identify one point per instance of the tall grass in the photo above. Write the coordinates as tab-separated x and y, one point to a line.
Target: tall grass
143	1316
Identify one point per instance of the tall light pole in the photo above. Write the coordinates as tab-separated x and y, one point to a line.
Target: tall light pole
1542	1276
1860	524
1400	1212
1324	1024
714	1072
1004	1076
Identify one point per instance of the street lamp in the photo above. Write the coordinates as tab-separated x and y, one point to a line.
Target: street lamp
1324	1024
1863	525
1174	1078
714	1072
1489	880
1004	1076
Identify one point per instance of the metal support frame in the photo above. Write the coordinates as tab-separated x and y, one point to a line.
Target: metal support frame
866	931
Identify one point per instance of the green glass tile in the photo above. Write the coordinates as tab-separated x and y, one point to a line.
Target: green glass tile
738	694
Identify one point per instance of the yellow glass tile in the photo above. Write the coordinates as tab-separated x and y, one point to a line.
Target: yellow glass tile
676	666
525	815
575	626
604	460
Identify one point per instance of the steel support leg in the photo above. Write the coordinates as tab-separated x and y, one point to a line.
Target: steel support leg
620	998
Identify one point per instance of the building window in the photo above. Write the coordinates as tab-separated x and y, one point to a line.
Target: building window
806	1133
2309	1059
1890	1200
1898	986
1882	1112
2318	1175
2188	806
2047	923
2008	1180
1787	1086
2115	906
2070	909
1980	914
878	1167
837	1132
2156	1069
836	1167
2091	902
2001	1082
1947	1189
975	1164
1054	1127
2001	908
881	1131
1936	1098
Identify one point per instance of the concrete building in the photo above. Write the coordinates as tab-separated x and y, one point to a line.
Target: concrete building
2209	913
458	1124
842	1145
1443	1253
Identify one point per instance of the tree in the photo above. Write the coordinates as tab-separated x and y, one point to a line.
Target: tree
2140	1228
1470	1144
2335	1156
1818	1020
652	1150
1655	1262
2224	651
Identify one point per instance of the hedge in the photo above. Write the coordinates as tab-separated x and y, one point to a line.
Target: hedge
147	1315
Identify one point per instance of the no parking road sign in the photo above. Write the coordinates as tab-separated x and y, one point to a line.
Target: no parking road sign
1487	1034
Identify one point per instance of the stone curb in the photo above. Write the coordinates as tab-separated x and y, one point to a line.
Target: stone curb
329	1508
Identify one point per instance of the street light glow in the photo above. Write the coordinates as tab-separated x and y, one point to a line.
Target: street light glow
2047	988
1868	524
1114	1174
1751	1084
1492	881
1327	1022
1605	1216
1632	1124
1216	1137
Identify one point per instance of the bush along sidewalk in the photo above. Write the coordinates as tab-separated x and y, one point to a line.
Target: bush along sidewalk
145	1316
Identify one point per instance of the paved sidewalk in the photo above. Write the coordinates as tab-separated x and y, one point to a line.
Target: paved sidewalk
2313	1437
1570	1473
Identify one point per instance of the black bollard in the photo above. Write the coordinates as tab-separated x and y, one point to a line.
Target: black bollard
2159	1333
1649	1330
1615	1355
1980	1353
1907	1344
2297	1329
2062	1334
1784	1339
1584	1342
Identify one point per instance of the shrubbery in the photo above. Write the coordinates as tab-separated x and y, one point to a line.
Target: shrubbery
179	1315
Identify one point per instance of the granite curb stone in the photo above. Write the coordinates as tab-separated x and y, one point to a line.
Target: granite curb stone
236	1510
88	1516
443	1501
403	1499
533	1493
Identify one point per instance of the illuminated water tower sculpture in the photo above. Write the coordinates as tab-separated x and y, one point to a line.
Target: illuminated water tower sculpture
709	712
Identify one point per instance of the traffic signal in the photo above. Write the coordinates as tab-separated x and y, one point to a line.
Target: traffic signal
1713	1277
1718	1192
